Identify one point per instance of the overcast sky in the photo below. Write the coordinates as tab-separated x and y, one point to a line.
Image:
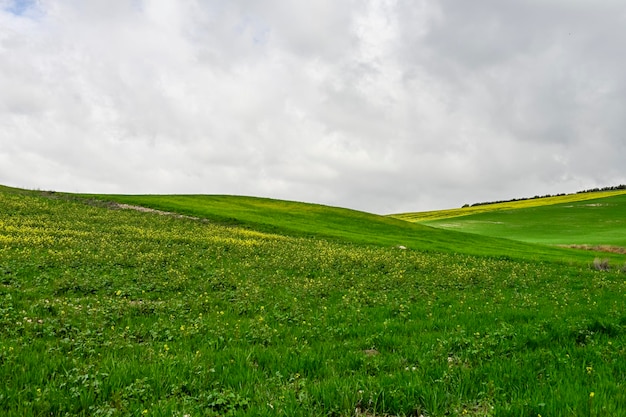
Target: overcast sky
383	106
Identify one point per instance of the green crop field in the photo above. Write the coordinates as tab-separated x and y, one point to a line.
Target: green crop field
235	306
597	221
508	205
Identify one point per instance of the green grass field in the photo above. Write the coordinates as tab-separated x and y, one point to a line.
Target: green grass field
343	225
509	205
258	307
599	221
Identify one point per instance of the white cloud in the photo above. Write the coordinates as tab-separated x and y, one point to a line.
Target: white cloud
379	105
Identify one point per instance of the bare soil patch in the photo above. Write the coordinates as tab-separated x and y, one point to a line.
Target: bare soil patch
151	210
598	248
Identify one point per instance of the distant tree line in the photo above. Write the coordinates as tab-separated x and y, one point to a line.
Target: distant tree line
591	190
614	188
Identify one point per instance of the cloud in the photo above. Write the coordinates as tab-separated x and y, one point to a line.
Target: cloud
380	105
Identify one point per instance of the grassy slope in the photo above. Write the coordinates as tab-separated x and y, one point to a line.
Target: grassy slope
301	219
511	205
599	221
123	313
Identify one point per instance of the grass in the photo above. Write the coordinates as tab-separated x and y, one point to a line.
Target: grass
339	224
427	216
594	222
109	312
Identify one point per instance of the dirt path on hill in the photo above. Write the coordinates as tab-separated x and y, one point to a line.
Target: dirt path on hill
121	206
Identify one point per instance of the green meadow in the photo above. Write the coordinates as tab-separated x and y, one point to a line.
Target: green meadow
425	216
594	221
238	306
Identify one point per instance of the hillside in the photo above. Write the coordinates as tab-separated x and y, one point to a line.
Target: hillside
425	216
311	220
233	309
590	222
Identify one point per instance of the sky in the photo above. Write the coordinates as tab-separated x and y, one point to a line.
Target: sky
377	105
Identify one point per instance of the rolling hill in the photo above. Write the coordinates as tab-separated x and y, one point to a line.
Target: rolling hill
592	220
312	220
238	306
